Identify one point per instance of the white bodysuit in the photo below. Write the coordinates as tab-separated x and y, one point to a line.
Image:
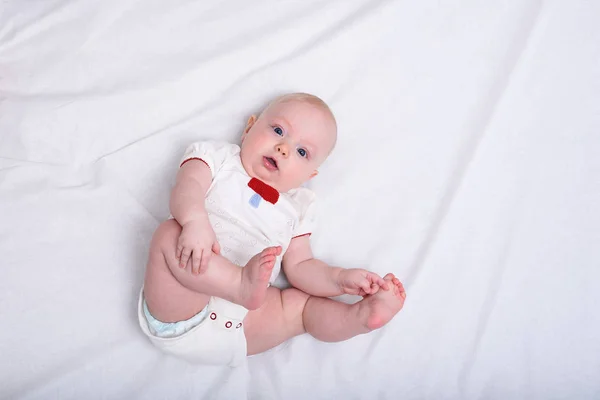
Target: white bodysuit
247	216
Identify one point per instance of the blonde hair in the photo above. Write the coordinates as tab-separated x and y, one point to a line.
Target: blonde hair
307	98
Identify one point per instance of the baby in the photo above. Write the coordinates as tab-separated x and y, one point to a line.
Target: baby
237	215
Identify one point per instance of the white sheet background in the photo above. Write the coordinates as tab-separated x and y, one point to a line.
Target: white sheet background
468	165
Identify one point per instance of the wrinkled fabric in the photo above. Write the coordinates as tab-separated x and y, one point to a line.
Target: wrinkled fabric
467	164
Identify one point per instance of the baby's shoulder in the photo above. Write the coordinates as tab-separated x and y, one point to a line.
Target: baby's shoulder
217	151
218	155
301	195
223	148
301	198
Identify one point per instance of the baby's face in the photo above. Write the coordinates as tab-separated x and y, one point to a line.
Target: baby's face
287	143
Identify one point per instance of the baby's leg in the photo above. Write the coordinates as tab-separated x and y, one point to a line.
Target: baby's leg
277	320
167	299
174	294
290	312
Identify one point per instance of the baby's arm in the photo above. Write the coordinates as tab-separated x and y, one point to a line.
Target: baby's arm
315	277
197	239
187	197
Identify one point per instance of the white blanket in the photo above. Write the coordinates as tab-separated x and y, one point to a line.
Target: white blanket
467	164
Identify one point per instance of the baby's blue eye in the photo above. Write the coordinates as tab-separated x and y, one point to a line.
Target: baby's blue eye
302	152
278	130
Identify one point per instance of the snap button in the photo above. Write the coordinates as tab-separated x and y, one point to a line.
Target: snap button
238	326
213	316
228	324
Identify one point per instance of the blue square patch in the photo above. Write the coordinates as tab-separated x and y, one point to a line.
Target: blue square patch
255	200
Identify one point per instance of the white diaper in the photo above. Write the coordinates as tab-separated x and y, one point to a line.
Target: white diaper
213	336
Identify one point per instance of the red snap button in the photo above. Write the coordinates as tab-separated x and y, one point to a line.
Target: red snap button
213	316
238	326
228	324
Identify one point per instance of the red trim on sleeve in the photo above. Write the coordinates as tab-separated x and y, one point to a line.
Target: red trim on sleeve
194	158
304	234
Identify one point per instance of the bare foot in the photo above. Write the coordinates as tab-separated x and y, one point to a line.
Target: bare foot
378	309
255	277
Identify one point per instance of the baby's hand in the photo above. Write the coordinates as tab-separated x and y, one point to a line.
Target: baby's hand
360	282
197	241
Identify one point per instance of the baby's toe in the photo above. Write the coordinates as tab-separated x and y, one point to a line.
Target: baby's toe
268	259
272	251
389	277
401	291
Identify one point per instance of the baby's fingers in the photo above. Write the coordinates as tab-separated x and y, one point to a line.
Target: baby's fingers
365	286
376	279
368	289
178	251
383	283
206	254
374	288
196	260
185	256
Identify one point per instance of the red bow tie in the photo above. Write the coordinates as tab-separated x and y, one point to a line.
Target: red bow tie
265	191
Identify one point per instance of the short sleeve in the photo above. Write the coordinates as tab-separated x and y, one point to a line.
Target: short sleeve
304	200
213	154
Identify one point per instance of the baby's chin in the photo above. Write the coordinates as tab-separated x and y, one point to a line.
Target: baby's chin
261	174
280	185
286	186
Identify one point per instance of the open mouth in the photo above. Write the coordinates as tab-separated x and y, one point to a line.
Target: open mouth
270	163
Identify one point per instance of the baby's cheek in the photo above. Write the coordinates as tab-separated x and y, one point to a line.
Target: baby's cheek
297	179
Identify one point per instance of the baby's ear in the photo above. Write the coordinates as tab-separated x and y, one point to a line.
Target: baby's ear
314	173
249	125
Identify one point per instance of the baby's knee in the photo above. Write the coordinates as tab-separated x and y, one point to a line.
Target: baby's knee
165	236
293	302
294	298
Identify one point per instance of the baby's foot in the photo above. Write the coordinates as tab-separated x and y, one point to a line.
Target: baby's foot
255	277
378	309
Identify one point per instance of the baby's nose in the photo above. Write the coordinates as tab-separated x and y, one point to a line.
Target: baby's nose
283	150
